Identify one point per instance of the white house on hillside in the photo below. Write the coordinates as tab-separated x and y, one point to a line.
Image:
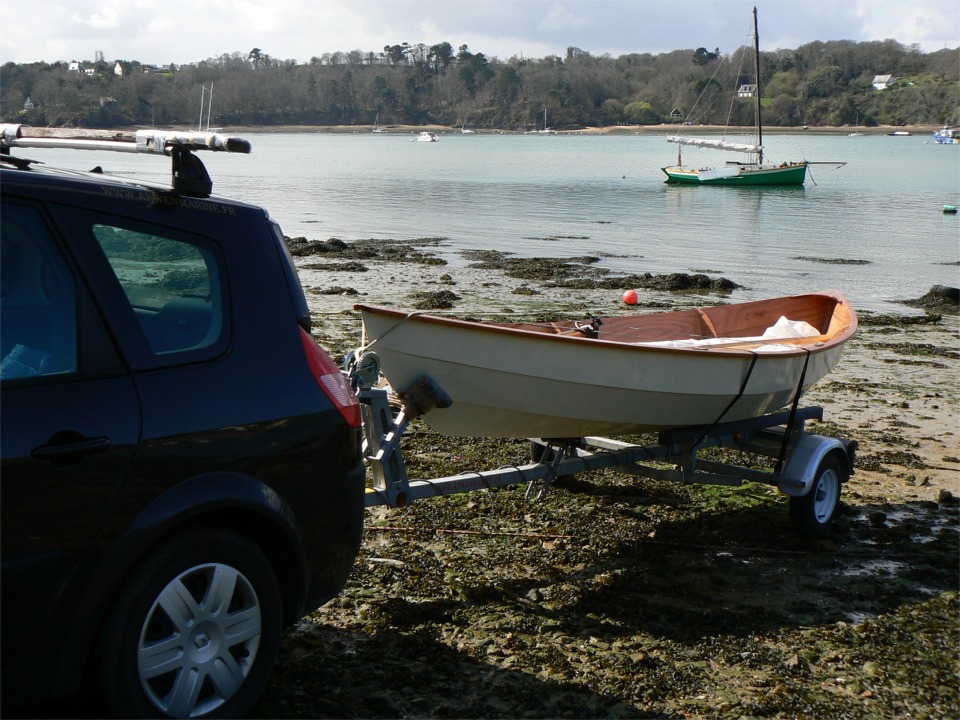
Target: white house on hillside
882	82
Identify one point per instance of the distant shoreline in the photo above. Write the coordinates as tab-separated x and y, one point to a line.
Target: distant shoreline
609	130
403	130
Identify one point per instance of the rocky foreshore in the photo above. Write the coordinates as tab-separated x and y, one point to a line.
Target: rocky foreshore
619	597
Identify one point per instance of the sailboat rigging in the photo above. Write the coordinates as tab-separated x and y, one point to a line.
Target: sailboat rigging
752	171
545	130
208	96
856	128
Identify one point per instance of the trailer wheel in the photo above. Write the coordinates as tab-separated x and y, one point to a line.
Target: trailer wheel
813	514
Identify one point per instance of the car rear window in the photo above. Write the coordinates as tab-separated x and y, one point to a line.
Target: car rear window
173	286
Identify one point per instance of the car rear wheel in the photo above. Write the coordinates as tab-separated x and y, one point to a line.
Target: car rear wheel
195	630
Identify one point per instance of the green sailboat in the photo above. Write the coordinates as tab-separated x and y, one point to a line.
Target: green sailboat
752	170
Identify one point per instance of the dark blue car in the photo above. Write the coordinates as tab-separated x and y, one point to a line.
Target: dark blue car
181	471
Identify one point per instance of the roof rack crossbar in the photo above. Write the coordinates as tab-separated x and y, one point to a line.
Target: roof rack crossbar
189	175
145	141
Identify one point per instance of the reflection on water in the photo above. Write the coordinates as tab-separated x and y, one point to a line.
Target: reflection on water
574	195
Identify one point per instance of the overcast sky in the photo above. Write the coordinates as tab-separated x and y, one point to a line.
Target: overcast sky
160	32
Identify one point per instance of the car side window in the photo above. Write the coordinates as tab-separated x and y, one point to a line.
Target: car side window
38	303
173	286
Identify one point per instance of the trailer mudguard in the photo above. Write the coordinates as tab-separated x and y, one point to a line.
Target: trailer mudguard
800	470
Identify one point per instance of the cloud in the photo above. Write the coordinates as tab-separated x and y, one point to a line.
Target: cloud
932	26
109	19
559	19
184	31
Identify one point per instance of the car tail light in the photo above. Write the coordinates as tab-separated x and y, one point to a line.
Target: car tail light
331	380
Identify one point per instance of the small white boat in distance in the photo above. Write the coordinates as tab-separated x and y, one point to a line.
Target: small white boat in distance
856	129
618	375
545	130
946	136
427	137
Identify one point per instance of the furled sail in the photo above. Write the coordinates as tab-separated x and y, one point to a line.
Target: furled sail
716	144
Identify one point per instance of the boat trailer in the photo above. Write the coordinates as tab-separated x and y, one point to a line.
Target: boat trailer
809	468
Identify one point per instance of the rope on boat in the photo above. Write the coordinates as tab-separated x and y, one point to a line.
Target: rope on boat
793	414
364	346
743	388
793	408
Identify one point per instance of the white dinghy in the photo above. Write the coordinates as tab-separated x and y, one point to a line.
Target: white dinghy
618	375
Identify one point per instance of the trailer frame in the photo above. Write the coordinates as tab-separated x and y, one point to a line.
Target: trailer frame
810	468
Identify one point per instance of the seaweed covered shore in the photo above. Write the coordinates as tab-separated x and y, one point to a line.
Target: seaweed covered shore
621	597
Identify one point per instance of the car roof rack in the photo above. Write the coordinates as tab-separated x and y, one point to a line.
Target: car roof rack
190	177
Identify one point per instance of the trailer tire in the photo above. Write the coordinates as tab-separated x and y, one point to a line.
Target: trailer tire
813	514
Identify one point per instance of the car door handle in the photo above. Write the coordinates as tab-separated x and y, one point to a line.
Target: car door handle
71	451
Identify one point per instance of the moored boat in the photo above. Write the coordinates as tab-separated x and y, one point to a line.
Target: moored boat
545	130
617	375
739	174
946	136
752	170
427	136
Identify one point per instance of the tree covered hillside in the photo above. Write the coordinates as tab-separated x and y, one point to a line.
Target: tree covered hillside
820	83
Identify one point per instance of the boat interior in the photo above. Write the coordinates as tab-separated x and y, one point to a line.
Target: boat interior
827	314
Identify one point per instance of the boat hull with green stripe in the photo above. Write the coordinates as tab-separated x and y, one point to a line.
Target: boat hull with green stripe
739	175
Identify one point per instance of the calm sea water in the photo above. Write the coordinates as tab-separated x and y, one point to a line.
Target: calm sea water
874	229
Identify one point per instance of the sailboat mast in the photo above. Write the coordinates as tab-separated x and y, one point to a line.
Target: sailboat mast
756	74
209	106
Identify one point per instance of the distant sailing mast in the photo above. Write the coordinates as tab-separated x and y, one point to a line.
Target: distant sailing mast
751	171
203	91
546	130
756	75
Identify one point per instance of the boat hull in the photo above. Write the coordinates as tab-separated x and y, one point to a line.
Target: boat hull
509	382
741	176
946	136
